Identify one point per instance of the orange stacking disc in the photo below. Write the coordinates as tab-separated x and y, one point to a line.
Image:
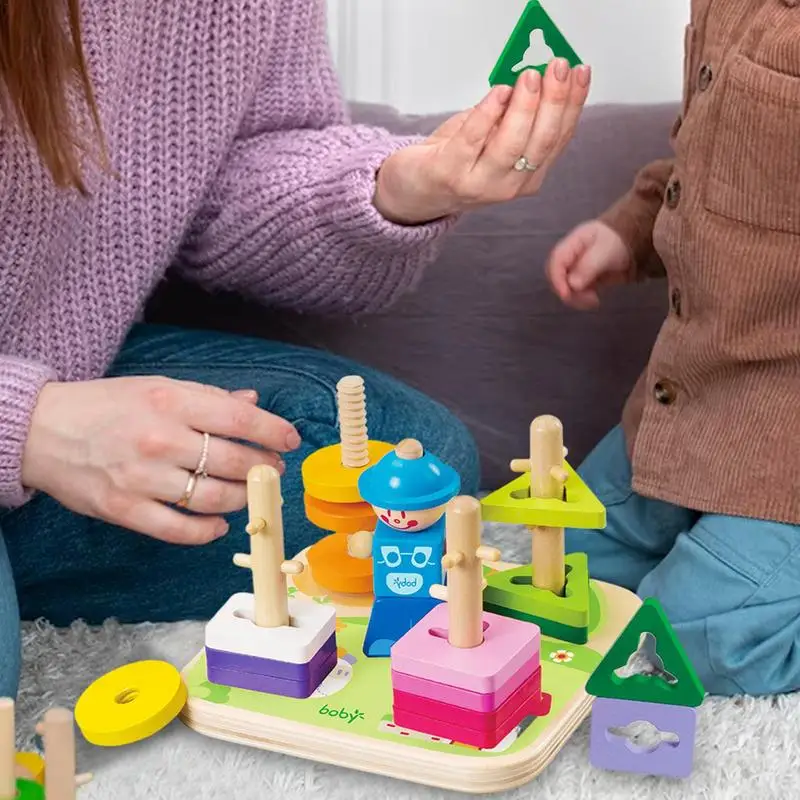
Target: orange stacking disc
340	517
335	570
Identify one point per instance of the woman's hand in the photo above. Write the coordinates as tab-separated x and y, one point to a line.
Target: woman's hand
588	258
470	161
122	449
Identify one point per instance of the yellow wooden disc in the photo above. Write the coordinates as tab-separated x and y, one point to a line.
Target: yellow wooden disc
324	477
131	703
30	766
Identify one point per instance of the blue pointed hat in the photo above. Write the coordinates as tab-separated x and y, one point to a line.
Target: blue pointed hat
409	479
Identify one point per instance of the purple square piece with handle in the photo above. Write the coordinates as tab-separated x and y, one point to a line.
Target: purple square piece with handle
299	689
644	738
219	659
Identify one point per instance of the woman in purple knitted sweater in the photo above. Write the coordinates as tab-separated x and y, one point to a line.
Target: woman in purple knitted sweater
207	137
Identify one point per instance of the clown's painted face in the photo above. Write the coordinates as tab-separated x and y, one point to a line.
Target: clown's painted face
410	521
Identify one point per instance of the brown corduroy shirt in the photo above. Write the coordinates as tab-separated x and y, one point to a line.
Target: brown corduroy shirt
714	422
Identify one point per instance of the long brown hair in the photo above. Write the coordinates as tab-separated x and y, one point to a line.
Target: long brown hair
41	62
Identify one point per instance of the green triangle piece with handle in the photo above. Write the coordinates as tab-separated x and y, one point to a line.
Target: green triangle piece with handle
535	42
647	664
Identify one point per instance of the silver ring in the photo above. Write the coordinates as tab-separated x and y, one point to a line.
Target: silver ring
523	165
188	492
202	464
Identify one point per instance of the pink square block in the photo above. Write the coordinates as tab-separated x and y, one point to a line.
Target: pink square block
472	701
424	652
485	721
484	740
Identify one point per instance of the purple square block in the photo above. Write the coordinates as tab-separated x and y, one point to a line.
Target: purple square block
220	659
268	684
673	759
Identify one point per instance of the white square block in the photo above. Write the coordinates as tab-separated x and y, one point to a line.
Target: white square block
232	630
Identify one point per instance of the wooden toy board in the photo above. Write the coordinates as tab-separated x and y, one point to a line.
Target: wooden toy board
348	720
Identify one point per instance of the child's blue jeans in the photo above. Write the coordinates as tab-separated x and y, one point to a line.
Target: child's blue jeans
62	566
730	586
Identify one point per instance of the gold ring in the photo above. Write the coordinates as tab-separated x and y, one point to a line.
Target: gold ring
188	492
202	464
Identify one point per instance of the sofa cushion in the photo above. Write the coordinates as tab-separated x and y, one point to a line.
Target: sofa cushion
483	332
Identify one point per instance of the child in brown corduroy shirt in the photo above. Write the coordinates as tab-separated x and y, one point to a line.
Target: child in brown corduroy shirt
702	479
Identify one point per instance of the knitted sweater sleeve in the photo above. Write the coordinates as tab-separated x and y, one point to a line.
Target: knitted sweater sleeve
290	219
20	384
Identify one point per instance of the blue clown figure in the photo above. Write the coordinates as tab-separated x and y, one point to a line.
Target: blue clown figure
409	490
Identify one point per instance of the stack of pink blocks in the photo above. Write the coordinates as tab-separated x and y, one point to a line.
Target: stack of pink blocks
474	696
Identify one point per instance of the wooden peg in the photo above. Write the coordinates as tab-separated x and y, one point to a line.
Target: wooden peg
266	559
351	401
465	577
8	751
524	465
547	482
438	592
452	560
59	754
488	553
409	449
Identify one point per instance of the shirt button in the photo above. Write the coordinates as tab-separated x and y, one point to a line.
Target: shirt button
675	299
704	78
665	392
673	195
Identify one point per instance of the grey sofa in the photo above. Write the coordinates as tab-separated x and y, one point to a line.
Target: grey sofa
483	333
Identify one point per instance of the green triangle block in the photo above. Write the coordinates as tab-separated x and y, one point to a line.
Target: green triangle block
511	593
649	629
535	42
555	630
513	504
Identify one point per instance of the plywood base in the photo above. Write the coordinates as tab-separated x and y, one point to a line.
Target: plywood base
348	720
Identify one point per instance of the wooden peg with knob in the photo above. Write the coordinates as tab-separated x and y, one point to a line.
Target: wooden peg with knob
8	768
58	731
464	564
266	558
548	476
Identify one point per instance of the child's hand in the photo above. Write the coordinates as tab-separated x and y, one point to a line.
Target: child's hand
590	257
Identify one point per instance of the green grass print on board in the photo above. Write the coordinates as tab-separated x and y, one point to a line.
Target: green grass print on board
360	695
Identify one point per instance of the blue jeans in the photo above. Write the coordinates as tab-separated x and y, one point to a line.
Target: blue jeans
730	586
65	566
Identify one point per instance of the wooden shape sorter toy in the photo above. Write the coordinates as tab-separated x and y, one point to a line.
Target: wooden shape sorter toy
492	663
553	591
332	499
534	43
267	641
362	714
644	719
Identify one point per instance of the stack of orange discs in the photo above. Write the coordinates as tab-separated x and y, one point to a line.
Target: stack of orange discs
333	503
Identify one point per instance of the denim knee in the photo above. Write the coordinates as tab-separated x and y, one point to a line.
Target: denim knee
10	643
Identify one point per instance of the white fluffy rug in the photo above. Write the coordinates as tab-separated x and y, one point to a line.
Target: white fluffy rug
746	748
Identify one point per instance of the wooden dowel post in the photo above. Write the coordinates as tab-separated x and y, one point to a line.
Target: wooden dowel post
8	779
463	562
465	573
266	559
59	754
352	408
547	482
